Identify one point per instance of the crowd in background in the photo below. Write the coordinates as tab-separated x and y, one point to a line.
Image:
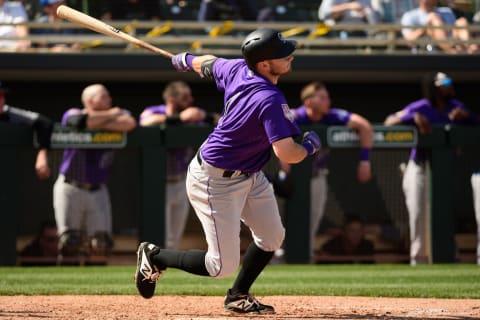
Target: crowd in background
331	12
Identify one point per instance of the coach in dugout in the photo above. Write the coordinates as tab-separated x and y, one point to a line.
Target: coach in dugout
41	125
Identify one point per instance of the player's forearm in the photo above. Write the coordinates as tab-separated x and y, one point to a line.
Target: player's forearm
287	150
364	129
153	119
98	119
392	120
197	62
122	123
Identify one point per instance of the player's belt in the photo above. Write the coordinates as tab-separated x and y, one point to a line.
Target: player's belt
82	185
224	173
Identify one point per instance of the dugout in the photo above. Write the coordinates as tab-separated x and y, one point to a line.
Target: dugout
372	85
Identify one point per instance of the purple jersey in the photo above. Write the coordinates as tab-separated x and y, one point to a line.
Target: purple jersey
177	158
334	116
436	117
86	165
255	115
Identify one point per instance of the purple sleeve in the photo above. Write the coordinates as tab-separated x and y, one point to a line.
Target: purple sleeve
337	117
278	119
407	114
69	113
301	116
160	109
223	69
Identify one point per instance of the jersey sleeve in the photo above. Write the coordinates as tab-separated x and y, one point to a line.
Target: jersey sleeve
69	113
223	70
278	119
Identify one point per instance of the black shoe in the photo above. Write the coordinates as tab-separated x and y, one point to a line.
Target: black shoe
147	273
245	303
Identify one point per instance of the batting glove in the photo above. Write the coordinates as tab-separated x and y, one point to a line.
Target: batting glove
311	142
179	62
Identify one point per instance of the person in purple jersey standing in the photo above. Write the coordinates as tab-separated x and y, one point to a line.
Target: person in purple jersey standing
225	182
438	107
178	109
80	196
316	109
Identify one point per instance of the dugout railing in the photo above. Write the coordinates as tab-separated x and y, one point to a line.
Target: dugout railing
152	144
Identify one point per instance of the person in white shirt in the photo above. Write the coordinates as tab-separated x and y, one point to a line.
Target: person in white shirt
13	12
428	14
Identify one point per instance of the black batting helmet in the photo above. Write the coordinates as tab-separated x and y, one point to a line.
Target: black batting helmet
265	44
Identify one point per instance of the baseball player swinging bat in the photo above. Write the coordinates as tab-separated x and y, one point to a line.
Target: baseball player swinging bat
96	25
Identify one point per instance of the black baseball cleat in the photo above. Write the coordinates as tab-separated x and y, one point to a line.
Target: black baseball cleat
147	273
246	303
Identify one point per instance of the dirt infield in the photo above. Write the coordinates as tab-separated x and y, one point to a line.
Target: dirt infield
186	307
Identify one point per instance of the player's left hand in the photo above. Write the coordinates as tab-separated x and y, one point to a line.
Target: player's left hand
179	62
458	114
311	142
364	171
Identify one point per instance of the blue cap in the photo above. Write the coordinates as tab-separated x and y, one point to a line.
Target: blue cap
48	2
441	79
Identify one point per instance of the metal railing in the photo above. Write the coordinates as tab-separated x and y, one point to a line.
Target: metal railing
225	36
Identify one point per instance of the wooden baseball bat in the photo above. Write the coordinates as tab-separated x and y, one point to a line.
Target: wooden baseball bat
96	25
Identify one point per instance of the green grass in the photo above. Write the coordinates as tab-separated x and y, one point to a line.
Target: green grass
384	280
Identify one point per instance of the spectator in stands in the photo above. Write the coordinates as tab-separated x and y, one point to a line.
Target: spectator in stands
213	10
33	9
391	11
427	14
346	12
50	16
437	107
135	10
13	12
41	125
99	9
350	243
44	245
287	10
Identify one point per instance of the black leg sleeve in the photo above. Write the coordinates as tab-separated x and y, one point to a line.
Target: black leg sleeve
192	261
254	262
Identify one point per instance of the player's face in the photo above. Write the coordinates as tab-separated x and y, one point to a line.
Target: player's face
320	101
278	67
184	99
447	91
354	233
101	100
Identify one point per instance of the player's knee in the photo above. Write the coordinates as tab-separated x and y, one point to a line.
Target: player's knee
222	267
70	243
274	242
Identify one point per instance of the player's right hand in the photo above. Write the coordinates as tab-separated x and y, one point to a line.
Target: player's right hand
179	62
311	142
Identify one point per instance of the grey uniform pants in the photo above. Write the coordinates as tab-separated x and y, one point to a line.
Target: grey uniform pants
415	190
78	209
476	203
221	203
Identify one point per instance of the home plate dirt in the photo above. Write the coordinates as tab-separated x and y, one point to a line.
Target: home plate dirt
195	307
